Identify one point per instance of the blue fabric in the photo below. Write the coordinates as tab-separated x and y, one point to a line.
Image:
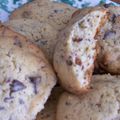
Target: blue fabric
7	6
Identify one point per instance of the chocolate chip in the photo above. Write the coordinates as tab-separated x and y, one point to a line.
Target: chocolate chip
43	42
58	11
66	117
11	118
20	69
82	25
2	108
118	113
16	86
8	81
107	5
26	14
8	54
36	82
77	39
7	99
118	58
69	62
67	103
108	33
82	67
102	94
78	61
98	105
21	101
113	18
17	42
50	16
91	87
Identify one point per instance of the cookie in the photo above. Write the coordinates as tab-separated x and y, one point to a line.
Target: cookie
42	34
109	40
56	14
49	113
76	51
26	78
108	59
102	102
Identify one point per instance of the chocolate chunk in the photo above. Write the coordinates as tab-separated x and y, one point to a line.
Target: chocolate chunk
118	58
67	103
8	81
82	24
17	42
36	82
26	14
113	18
2	108
11	118
7	99
21	101
43	42
78	61
77	39
16	86
58	11
82	67
20	69
0	85
107	5
9	53
98	105
66	117
108	34
69	62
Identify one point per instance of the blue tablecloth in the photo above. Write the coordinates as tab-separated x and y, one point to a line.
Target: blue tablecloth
7	6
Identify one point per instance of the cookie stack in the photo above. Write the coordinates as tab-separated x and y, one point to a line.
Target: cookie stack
45	41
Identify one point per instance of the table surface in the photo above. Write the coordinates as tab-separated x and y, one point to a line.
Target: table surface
7	6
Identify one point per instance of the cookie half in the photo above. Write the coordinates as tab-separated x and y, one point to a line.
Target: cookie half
76	51
109	40
108	59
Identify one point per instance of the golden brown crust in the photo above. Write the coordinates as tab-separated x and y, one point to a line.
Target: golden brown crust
76	13
25	14
109	43
7	32
75	90
56	14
